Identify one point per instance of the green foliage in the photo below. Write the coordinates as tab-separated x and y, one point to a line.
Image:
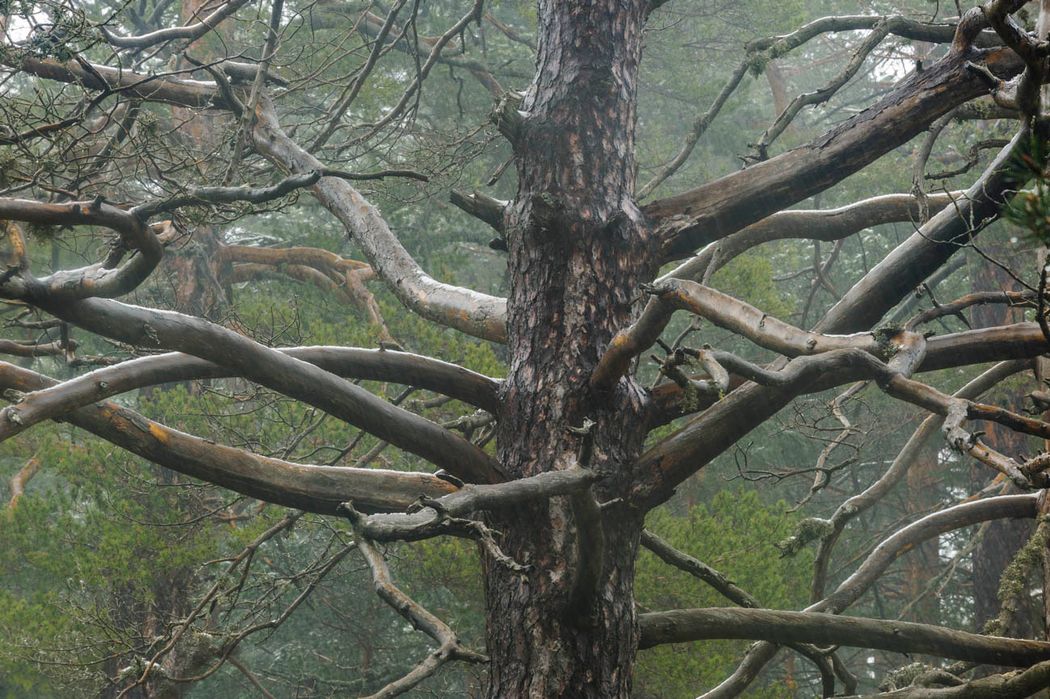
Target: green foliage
94	538
1030	209
749	277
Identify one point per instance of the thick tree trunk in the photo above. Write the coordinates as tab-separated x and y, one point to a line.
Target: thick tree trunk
578	250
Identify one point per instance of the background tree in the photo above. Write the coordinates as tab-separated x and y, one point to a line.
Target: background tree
207	152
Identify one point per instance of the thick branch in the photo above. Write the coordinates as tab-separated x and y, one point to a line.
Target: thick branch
185	93
21	479
474	313
932	245
349	362
319	489
314	257
31	349
482	207
761	328
897	275
165	329
827	225
770	48
725	422
682	625
715	210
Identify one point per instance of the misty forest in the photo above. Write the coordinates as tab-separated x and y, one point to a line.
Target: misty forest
524	348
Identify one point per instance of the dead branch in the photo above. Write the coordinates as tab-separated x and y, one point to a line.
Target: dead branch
474	313
681	625
169	330
449	646
191	32
851	589
319	489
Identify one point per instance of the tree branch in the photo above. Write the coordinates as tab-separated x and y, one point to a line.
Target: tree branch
449	646
319	489
471	312
891	548
371	365
434	517
199	196
153	88
190	31
1016	685
715	210
169	330
101	280
857	504
825	225
933	244
683	625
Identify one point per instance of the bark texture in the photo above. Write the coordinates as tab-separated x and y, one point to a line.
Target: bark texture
578	251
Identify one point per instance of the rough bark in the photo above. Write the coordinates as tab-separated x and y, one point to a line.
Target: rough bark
578	251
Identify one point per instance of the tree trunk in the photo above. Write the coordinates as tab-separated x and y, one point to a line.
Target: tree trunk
578	251
1003	538
921	566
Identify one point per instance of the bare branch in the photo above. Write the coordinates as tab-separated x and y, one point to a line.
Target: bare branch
746	320
821	629
710	433
724	206
169	330
31	349
891	548
878	33
435	517
319	489
469	311
722	584
449	646
190	31
186	93
866	302
829	224
198	196
929	247
483	207
761	51
101	280
865	500
372	365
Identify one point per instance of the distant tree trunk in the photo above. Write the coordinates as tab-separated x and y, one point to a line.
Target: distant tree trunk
195	263
922	564
777	87
1003	538
197	291
578	250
